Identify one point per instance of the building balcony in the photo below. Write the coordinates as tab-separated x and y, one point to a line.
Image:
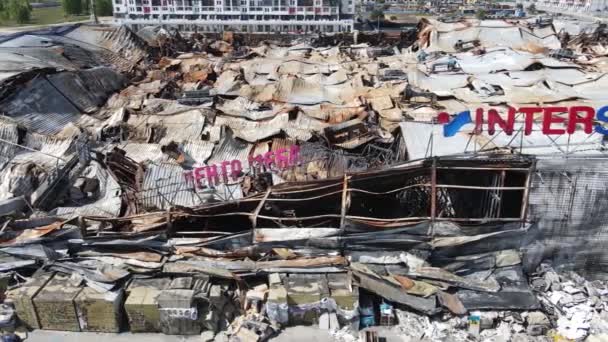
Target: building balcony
275	22
266	10
175	9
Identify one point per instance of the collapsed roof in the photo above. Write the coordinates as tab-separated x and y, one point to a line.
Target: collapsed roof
164	155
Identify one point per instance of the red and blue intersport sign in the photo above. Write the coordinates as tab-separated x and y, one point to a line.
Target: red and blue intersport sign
552	123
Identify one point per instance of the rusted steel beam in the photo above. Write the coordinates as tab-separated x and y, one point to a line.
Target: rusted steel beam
427	218
470	187
304	198
256	212
503	177
483	168
345	200
419	185
302	218
526	197
282	192
83	226
433	192
169	223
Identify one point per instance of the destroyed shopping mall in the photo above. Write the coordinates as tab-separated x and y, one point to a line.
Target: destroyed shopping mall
444	185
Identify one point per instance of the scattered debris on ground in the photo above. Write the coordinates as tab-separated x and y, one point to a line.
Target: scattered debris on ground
194	184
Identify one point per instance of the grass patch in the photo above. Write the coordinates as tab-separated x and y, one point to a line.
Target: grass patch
46	16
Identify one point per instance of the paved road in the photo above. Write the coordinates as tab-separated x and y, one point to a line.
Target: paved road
292	334
10	30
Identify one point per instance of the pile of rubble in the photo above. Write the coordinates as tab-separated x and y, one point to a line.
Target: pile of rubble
583	318
158	182
190	295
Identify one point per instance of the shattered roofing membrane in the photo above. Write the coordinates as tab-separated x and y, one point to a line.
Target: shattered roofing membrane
102	131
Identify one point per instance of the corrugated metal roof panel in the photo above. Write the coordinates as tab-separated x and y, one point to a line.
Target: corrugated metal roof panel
181	127
41	108
243	107
144	152
71	86
49	146
12	61
199	151
279	143
102	81
214	132
229	149
253	131
494	33
44	57
260	148
8	132
26	40
165	185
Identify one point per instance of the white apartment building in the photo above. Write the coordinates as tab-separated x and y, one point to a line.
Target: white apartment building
571	6
282	16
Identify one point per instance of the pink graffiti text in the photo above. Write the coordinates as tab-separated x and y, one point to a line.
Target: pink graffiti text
216	173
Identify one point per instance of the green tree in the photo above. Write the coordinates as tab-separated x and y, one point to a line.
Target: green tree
376	14
103	8
3	10
19	10
481	14
72	7
532	8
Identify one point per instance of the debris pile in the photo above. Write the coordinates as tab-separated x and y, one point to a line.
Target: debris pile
158	182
